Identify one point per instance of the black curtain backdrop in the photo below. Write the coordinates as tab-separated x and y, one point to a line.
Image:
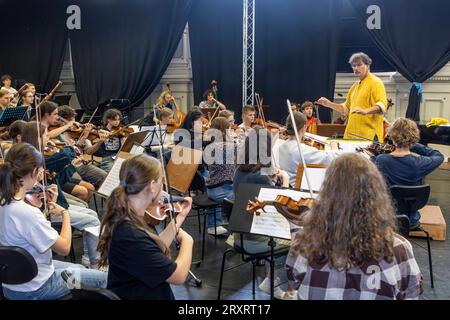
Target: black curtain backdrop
296	52
34	41
414	38
215	35
353	39
124	47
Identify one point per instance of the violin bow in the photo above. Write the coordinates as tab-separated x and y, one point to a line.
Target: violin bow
95	111
294	125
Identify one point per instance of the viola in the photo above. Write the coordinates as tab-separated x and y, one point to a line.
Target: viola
293	210
377	148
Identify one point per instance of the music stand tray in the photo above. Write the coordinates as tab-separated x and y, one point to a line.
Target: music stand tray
9	115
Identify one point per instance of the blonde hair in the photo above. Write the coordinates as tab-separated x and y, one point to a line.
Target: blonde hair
160	102
404	133
165	112
346	229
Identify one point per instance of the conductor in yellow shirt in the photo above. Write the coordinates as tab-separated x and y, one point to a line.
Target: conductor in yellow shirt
365	104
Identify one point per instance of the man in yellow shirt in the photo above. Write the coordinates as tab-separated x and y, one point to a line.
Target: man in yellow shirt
365	103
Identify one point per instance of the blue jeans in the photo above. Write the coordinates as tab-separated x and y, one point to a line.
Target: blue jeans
55	287
414	218
80	219
218	194
107	163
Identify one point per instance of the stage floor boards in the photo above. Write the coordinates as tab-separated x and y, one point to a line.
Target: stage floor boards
237	284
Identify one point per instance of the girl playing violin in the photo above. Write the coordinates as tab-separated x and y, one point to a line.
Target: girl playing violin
255	163
107	147
25	226
139	260
81	217
349	248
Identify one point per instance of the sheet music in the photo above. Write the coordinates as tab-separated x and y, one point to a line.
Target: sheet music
351	146
272	223
112	179
316	177
137	149
317	137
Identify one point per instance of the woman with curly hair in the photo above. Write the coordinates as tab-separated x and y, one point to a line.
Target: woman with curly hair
349	248
401	167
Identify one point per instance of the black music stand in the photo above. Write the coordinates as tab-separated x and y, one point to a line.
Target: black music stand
241	221
9	115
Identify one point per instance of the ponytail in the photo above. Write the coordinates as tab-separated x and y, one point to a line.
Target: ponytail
21	160
10	184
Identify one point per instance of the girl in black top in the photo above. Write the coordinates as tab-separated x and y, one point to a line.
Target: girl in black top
139	262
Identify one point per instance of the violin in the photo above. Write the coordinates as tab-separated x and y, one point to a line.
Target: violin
377	148
121	132
157	213
294	211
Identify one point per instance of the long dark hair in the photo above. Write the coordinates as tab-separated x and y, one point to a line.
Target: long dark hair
21	160
191	117
353	221
135	174
30	133
262	139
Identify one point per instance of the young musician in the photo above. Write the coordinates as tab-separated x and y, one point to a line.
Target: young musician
348	247
6	81
48	112
307	108
193	123
14	133
258	144
248	116
139	260
81	217
365	104
165	118
24	225
210	102
221	167
107	147
401	167
229	115
87	172
5	99
26	98
289	156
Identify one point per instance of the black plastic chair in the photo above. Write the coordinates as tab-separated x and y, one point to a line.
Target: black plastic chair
409	199
17	266
88	293
246	257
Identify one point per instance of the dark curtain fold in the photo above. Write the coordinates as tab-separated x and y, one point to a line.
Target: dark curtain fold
29	51
215	35
414	37
296	52
124	47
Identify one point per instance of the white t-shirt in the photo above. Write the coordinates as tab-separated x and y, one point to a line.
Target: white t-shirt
289	157
25	226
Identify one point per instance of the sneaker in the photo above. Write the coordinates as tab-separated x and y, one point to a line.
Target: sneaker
219	230
278	293
290	295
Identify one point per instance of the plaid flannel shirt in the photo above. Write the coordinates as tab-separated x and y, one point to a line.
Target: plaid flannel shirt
374	280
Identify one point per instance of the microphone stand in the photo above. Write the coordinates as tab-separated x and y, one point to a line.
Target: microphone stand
198	282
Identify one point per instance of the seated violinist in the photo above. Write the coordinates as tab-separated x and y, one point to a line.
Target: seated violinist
307	108
166	118
256	167
288	154
24	225
14	134
210	102
140	267
87	171
348	248
60	163
229	115
400	167
107	146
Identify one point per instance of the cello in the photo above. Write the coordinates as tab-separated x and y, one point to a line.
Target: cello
178	115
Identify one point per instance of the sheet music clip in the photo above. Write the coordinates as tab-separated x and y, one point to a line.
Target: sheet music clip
9	115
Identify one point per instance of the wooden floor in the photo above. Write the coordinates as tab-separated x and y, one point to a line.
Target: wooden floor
237	282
